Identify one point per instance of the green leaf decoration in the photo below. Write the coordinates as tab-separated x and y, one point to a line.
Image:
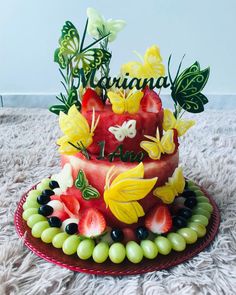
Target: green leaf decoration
73	99
187	87
88	191
191	104
202	97
81	181
70	52
56	109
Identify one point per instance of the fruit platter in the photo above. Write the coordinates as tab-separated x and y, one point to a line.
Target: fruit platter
121	203
161	252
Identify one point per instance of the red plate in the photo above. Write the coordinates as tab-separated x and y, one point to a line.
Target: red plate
51	254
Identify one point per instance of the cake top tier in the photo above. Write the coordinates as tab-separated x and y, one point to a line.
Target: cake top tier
101	115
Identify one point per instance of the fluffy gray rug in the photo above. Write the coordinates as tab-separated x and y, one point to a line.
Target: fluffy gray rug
28	153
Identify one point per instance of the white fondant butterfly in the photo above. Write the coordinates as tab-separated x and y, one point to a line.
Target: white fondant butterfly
64	179
127	129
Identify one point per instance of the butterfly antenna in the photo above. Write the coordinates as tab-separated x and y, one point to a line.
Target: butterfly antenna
94	124
109	176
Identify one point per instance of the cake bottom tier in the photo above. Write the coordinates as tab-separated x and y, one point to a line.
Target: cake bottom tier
96	171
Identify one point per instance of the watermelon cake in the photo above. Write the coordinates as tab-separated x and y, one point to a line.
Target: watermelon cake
121	193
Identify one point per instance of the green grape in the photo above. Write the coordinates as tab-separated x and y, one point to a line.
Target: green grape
33	204
177	241
206	206
33	195
49	233
28	212
149	249
200	211
199	219
101	252
190	183
134	252
198	193
202	199
163	245
44	184
71	244
198	228
59	239
106	238
33	219
85	249
38	228
188	234
117	252
27	205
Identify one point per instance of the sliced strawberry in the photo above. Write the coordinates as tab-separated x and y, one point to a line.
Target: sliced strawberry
159	220
151	101
91	100
92	223
71	205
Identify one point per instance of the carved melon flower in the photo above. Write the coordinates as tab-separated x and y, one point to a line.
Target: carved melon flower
98	26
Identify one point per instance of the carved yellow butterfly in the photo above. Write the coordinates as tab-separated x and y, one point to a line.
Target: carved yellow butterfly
172	188
122	103
126	189
156	147
77	131
150	66
170	122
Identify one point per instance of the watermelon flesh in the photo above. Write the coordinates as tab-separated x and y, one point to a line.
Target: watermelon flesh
96	170
146	124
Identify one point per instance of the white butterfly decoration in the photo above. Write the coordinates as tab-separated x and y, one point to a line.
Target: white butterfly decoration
128	129
64	179
97	25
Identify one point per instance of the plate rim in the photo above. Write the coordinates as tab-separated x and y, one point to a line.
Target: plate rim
122	269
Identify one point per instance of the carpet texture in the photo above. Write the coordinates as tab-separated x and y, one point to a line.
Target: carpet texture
28	153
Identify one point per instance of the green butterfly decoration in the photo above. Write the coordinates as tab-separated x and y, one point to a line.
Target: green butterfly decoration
67	102
187	86
88	191
72	52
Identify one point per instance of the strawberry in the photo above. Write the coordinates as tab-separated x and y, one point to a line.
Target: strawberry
91	100
71	205
159	220
151	101
92	223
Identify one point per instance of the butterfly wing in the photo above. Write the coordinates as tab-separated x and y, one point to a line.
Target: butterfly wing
126	212
153	63
136	172
81	181
182	126
90	193
117	101
165	193
122	198
118	132
132	102
167	142
152	148
177	181
76	128
95	21
69	44
130	128
113	27
89	60
168	120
